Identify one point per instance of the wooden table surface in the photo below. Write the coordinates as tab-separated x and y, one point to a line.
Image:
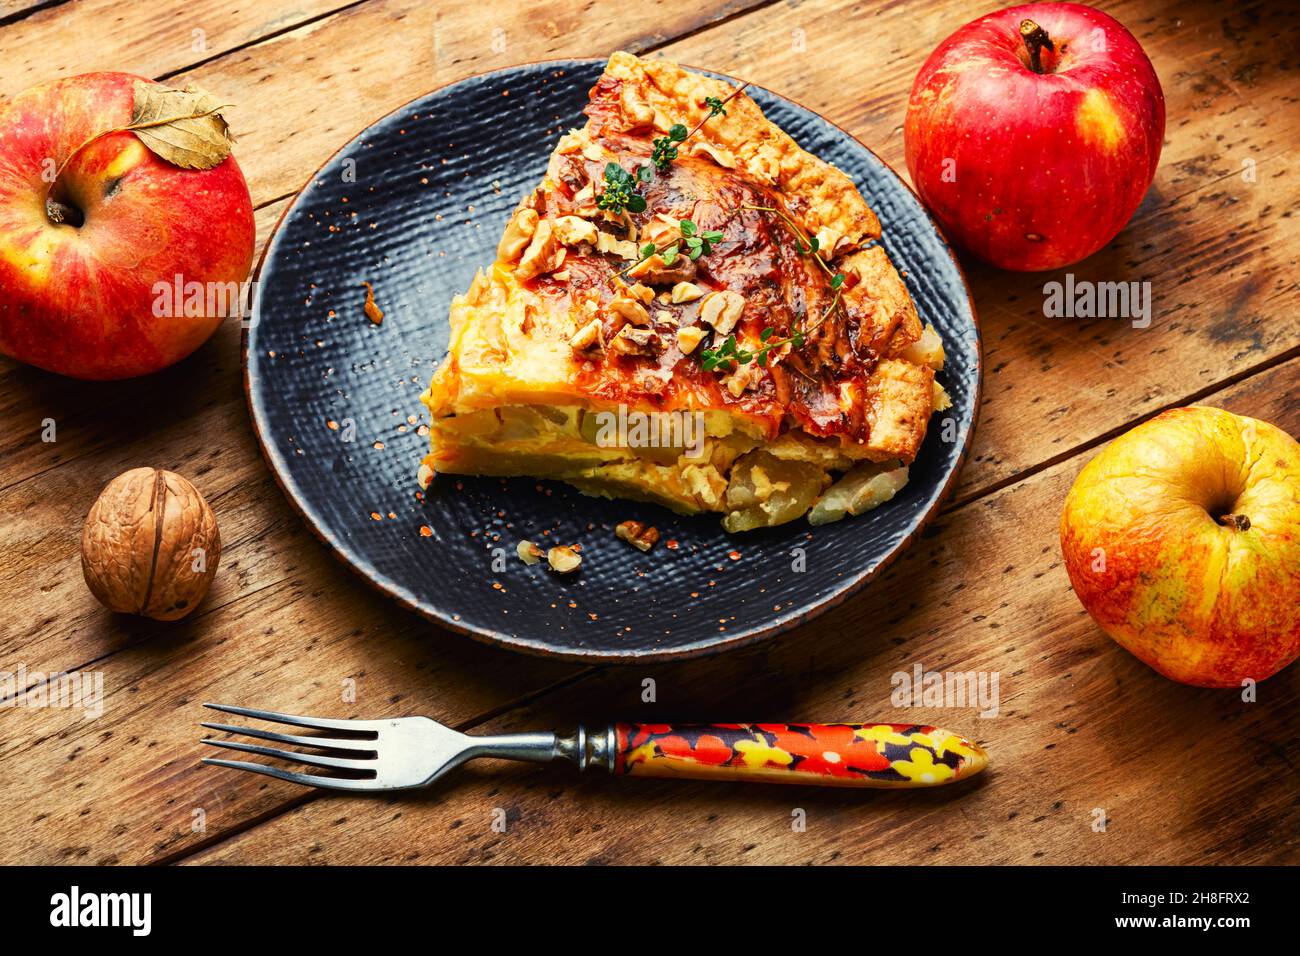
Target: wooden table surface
1085	731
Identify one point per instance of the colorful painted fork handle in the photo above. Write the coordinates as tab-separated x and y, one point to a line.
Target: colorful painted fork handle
833	755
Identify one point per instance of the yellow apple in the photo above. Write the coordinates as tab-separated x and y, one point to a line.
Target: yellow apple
1182	540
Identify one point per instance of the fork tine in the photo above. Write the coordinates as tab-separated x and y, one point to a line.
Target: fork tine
333	743
303	779
315	760
319	723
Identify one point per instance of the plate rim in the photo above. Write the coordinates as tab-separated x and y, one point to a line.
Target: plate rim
780	624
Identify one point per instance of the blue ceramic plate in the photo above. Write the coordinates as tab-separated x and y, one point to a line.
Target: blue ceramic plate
414	205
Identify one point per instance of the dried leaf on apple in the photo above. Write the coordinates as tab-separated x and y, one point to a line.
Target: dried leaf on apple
184	127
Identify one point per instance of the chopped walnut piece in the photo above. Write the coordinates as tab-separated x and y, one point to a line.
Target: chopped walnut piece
572	230
662	230
584	201
623	248
563	559
688	338
686	292
528	552
722	310
642	292
638	535
590	337
632	340
744	377
654	270
629	309
541	255
424	477
571	142
518	232
373	312
624	221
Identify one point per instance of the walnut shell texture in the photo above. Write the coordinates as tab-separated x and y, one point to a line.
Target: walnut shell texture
150	545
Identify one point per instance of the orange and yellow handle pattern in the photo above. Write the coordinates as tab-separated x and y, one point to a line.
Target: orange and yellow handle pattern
832	755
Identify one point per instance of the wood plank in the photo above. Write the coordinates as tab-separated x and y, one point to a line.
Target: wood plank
122	787
302	95
13	10
145	38
1179	773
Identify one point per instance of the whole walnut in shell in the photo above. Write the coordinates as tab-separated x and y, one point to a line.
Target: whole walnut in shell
150	545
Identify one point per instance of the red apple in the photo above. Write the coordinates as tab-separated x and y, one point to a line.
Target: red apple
1035	167
82	297
1182	539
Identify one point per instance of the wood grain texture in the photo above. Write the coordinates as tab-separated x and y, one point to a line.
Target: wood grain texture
11	11
90	35
302	95
1180	774
285	625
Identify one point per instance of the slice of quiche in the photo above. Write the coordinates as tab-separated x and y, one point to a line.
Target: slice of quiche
690	310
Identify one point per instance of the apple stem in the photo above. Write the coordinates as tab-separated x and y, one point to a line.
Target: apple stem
61	213
1237	522
1035	38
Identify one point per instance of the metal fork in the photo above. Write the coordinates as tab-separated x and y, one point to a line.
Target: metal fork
403	753
399	753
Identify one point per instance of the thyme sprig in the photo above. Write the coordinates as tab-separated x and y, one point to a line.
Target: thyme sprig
665	147
620	190
698	243
807	245
728	352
